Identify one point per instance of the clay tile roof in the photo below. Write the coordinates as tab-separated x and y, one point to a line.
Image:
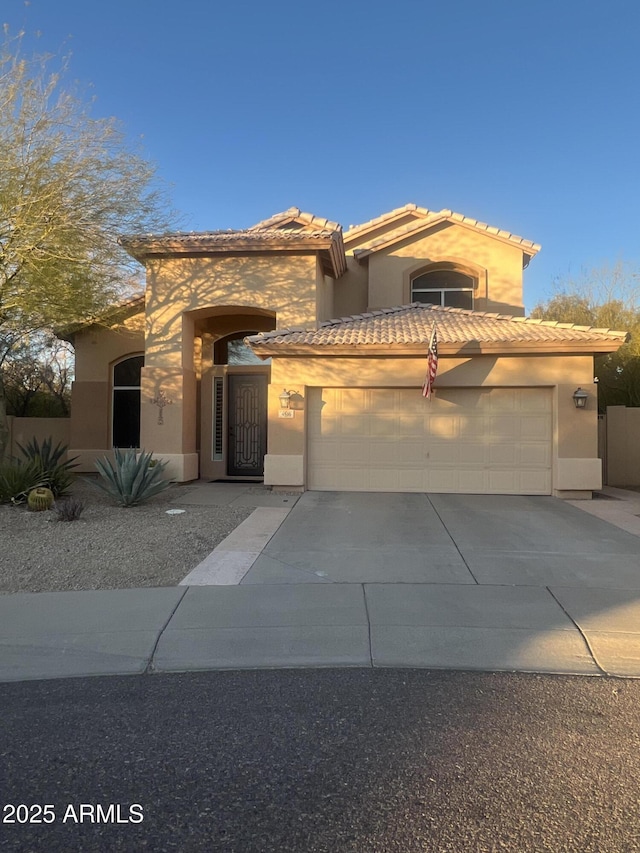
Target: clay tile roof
413	324
366	248
355	230
296	216
313	237
210	239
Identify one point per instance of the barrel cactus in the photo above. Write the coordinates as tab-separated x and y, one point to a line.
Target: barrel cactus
40	499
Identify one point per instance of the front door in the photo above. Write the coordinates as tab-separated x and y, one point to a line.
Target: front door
247	423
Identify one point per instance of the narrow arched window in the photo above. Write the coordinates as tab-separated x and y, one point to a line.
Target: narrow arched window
125	408
444	286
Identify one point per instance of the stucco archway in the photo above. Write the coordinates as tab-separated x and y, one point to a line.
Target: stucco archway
232	385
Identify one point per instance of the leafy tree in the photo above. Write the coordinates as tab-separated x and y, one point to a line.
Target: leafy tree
69	185
37	375
606	298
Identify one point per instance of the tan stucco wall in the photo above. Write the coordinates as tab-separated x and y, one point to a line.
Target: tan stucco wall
575	431
351	291
324	294
181	293
282	284
498	266
24	430
96	350
90	416
97	347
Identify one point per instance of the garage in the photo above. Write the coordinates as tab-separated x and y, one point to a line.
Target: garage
514	409
463	440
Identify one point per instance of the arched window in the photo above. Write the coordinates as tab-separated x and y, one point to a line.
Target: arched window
444	285
126	402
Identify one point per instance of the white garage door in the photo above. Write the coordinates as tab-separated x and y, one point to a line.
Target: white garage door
465	440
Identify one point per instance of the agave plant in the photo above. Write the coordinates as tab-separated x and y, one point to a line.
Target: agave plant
131	478
17	479
55	469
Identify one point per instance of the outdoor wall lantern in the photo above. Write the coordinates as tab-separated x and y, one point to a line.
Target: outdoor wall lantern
580	398
285	399
291	400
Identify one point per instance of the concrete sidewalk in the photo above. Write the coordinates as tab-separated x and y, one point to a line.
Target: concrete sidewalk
567	604
489	627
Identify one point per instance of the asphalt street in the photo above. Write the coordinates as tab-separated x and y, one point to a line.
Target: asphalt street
322	760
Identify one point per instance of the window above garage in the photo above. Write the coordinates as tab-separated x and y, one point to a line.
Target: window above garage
444	286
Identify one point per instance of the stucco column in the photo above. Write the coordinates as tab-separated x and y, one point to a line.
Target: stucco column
284	462
169	399
577	468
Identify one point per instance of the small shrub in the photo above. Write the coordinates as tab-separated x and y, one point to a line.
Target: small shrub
70	509
17	479
40	499
55	472
132	478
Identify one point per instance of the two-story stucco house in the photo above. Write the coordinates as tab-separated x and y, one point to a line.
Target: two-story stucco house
195	369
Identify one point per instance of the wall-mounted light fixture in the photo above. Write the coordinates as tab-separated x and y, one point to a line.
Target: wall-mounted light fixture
291	400
285	398
580	398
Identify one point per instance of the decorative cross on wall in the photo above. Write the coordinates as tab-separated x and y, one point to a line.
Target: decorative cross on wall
161	400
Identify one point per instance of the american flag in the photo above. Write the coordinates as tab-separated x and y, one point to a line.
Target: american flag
432	365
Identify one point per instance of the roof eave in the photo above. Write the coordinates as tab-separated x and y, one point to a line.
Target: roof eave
528	248
330	249
358	233
471	348
112	316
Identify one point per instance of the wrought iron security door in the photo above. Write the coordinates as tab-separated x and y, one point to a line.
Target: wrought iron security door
247	424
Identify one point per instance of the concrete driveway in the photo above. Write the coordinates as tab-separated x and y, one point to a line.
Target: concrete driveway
351	537
350	579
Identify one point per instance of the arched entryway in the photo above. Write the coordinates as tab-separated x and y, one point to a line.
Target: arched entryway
233	393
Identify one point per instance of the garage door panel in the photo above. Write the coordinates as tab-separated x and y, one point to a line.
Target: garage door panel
443	426
465	440
327	425
472	481
442	480
534	483
502	454
473	453
354	425
441	453
412	480
412	425
470	426
503	482
536	455
503	428
534	400
384	424
535	427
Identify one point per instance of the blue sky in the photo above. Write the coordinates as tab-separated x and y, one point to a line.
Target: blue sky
522	114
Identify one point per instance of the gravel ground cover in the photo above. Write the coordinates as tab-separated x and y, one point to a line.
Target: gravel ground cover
109	547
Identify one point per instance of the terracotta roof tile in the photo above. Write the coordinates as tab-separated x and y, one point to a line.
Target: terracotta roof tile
398	212
204	239
294	213
366	248
412	324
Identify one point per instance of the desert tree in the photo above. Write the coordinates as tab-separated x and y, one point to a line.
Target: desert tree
606	298
37	375
70	184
